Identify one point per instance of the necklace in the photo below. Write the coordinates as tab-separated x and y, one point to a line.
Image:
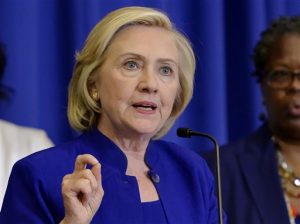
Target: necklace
287	171
290	181
290	184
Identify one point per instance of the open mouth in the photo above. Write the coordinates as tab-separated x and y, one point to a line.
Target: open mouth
145	106
294	110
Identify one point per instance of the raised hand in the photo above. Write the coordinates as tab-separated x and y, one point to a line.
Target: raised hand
82	191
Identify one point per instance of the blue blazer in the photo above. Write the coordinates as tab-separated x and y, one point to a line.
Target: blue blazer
185	186
251	187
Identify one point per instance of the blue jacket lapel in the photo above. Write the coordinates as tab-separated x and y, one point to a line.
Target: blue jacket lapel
259	168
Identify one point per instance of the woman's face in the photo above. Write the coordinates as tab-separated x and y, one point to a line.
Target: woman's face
283	105
138	81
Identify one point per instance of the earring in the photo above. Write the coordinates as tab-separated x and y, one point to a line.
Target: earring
95	96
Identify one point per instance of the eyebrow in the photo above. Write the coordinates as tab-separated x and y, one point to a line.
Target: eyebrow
162	60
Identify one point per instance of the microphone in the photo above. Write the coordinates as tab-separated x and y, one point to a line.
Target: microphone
187	133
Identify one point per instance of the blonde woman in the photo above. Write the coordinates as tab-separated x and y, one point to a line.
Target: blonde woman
132	79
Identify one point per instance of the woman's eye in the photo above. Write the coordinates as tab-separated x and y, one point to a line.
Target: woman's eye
166	70
131	65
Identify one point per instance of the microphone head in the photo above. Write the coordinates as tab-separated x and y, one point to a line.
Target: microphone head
184	132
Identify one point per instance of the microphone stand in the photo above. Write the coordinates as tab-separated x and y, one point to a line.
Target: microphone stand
187	133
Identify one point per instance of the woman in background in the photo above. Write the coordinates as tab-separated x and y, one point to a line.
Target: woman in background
16	141
261	173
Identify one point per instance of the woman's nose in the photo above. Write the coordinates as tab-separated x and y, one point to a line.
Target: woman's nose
148	81
296	80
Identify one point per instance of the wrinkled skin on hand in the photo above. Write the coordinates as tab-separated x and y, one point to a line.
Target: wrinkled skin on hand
82	191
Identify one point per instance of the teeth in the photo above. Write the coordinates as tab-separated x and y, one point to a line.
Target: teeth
145	107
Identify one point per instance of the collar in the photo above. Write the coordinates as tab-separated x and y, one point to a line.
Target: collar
107	152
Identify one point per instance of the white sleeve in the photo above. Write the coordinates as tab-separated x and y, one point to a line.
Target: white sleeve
38	140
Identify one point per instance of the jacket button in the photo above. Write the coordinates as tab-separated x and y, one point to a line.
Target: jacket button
153	176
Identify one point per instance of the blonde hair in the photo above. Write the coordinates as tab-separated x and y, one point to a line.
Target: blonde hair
83	110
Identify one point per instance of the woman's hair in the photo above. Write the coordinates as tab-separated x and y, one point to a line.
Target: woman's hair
281	27
83	110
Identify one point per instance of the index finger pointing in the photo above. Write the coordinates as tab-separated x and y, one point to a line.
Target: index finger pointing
83	160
